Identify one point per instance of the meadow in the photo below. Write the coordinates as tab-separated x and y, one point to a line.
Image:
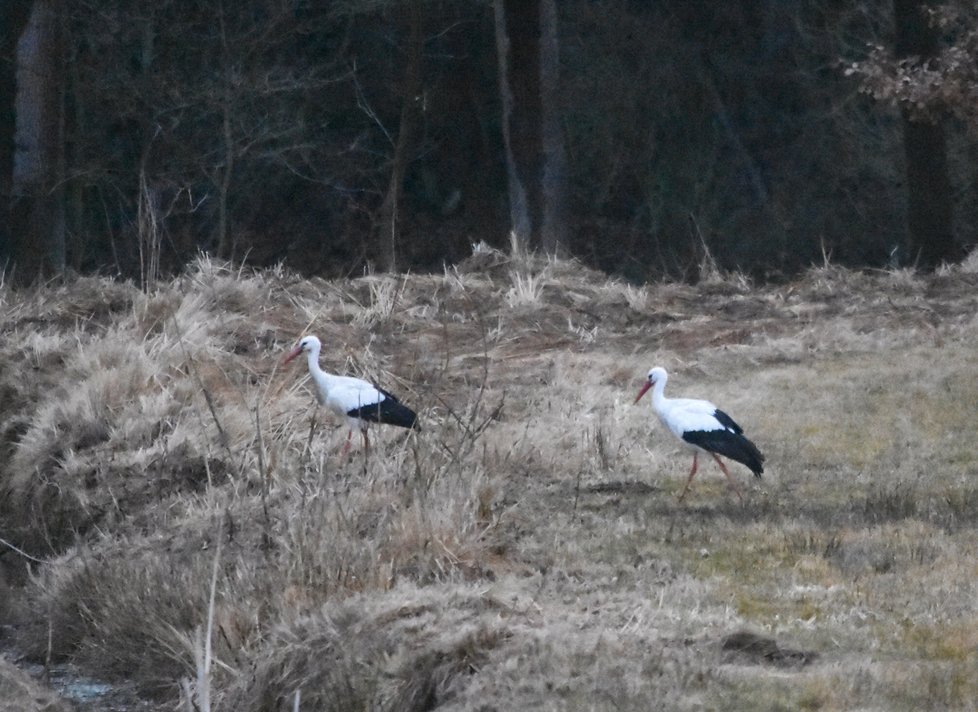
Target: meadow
177	521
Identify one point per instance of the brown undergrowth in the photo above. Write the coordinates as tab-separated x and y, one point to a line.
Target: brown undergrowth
182	519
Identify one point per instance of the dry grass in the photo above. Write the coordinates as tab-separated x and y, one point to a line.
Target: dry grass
525	550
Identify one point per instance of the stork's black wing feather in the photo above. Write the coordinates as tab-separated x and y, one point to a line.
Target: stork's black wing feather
727	422
729	444
389	411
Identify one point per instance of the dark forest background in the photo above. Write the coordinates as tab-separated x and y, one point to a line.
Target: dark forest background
343	136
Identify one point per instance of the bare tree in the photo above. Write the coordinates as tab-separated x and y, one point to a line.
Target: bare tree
528	51
931	73
553	225
929	212
13	19
39	159
386	242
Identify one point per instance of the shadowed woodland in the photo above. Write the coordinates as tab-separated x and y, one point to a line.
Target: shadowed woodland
377	135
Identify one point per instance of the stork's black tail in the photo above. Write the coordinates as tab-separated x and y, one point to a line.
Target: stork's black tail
729	444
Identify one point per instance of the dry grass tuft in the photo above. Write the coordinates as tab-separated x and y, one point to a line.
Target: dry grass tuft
526	290
406	650
969	265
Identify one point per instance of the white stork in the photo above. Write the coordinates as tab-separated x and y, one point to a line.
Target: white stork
361	403
703	428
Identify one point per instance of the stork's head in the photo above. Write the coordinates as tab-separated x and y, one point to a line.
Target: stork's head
656	375
307	344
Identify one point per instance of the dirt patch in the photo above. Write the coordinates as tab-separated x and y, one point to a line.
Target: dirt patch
761	650
638	489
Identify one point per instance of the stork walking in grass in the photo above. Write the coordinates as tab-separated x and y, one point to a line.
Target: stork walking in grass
361	403
703	428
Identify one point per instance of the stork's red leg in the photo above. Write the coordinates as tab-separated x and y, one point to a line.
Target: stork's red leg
346	445
689	480
729	476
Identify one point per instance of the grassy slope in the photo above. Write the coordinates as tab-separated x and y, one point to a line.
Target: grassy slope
526	551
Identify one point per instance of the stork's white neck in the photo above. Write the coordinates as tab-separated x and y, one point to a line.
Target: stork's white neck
659	393
312	358
324	381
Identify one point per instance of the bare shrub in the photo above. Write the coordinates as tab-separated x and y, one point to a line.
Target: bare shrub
927	88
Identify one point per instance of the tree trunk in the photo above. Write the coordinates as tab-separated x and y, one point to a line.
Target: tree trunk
225	245
386	237
553	227
929	207
39	158
13	19
515	140
527	47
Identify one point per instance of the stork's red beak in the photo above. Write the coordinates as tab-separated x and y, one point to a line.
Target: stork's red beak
292	354
646	386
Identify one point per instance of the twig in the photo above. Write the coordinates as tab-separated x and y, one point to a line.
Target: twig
205	697
312	429
708	267
21	552
264	474
577	488
207	394
365	106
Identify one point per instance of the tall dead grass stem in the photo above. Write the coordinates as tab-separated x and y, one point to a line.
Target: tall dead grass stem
197	694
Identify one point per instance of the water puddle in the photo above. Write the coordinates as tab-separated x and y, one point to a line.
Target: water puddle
85	693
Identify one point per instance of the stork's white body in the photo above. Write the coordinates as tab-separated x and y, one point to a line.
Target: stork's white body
683	415
343	394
